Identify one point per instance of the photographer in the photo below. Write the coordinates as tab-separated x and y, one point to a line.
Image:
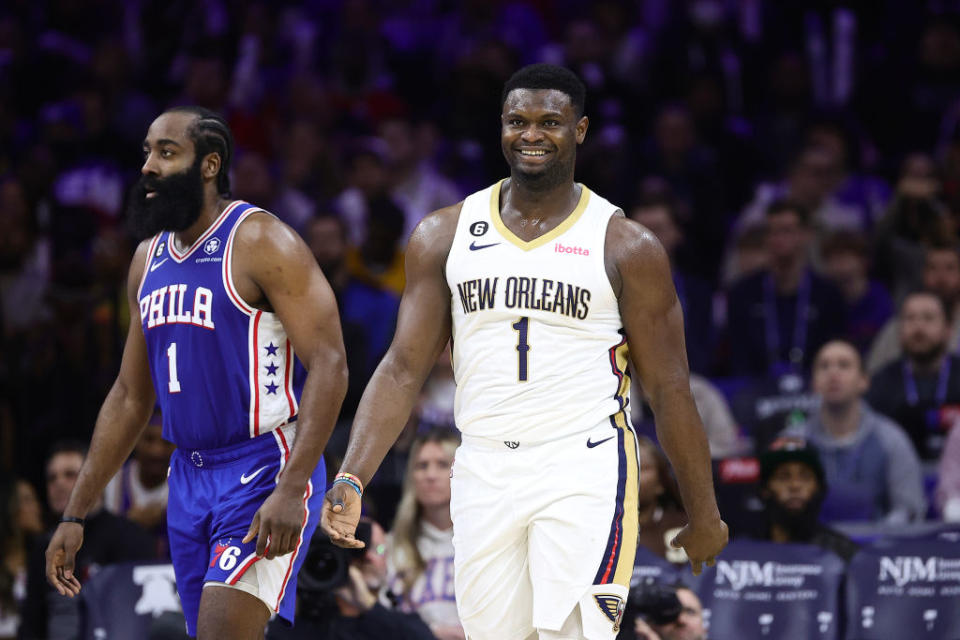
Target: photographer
663	612
337	594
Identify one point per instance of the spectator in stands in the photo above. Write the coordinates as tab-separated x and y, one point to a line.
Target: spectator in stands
916	219
378	261
747	256
948	487
842	138
139	490
941	275
29	514
420	557
723	434
792	488
919	389
25	261
106	539
436	403
687	626
846	263
367	179
367	313
658	214
20	522
661	509
351	611
948	156
871	469
304	174
416	185
673	152
811	182
778	317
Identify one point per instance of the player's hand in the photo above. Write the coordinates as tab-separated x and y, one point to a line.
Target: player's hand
702	542
61	556
340	515
277	524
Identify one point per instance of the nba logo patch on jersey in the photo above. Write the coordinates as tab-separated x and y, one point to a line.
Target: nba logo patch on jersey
211	246
612	606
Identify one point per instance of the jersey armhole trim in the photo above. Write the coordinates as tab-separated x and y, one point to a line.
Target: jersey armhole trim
228	283
146	263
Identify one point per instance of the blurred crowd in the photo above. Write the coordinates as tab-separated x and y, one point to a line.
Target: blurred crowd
799	161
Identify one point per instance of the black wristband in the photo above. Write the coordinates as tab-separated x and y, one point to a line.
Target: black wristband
79	521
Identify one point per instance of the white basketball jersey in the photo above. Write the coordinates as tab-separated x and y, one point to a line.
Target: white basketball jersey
539	351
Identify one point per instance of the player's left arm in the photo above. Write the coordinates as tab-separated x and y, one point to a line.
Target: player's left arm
639	271
278	264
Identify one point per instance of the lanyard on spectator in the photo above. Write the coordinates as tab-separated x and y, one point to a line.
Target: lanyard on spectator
772	324
910	383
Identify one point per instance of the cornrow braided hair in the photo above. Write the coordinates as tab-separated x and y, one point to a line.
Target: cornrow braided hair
211	134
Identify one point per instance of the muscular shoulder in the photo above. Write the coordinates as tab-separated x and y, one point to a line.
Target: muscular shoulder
261	232
432	238
633	254
269	258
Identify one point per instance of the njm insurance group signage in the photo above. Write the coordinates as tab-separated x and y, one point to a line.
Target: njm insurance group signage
905	589
776	591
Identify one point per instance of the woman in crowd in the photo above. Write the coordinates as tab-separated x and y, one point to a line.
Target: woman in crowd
420	550
20	519
659	503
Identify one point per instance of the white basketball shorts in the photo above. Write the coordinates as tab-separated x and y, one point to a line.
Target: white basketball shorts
540	529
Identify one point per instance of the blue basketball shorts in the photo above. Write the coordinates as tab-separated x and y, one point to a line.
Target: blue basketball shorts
214	495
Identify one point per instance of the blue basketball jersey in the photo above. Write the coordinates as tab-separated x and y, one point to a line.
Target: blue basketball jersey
223	370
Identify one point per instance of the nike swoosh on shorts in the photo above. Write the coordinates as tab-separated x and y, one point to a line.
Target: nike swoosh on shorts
244	479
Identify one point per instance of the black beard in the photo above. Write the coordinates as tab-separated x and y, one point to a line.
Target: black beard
928	356
176	205
801	523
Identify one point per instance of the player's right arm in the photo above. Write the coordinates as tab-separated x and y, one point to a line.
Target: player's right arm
122	417
653	321
423	328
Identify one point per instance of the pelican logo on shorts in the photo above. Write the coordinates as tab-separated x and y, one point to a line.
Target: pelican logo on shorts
479	228
513	444
159	249
612	606
211	246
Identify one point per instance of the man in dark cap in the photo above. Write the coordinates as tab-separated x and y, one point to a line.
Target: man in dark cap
792	487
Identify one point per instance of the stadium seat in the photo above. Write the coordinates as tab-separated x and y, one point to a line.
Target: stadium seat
132	601
777	591
905	589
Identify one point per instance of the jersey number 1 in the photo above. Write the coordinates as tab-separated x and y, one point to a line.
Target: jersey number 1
173	385
520	326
